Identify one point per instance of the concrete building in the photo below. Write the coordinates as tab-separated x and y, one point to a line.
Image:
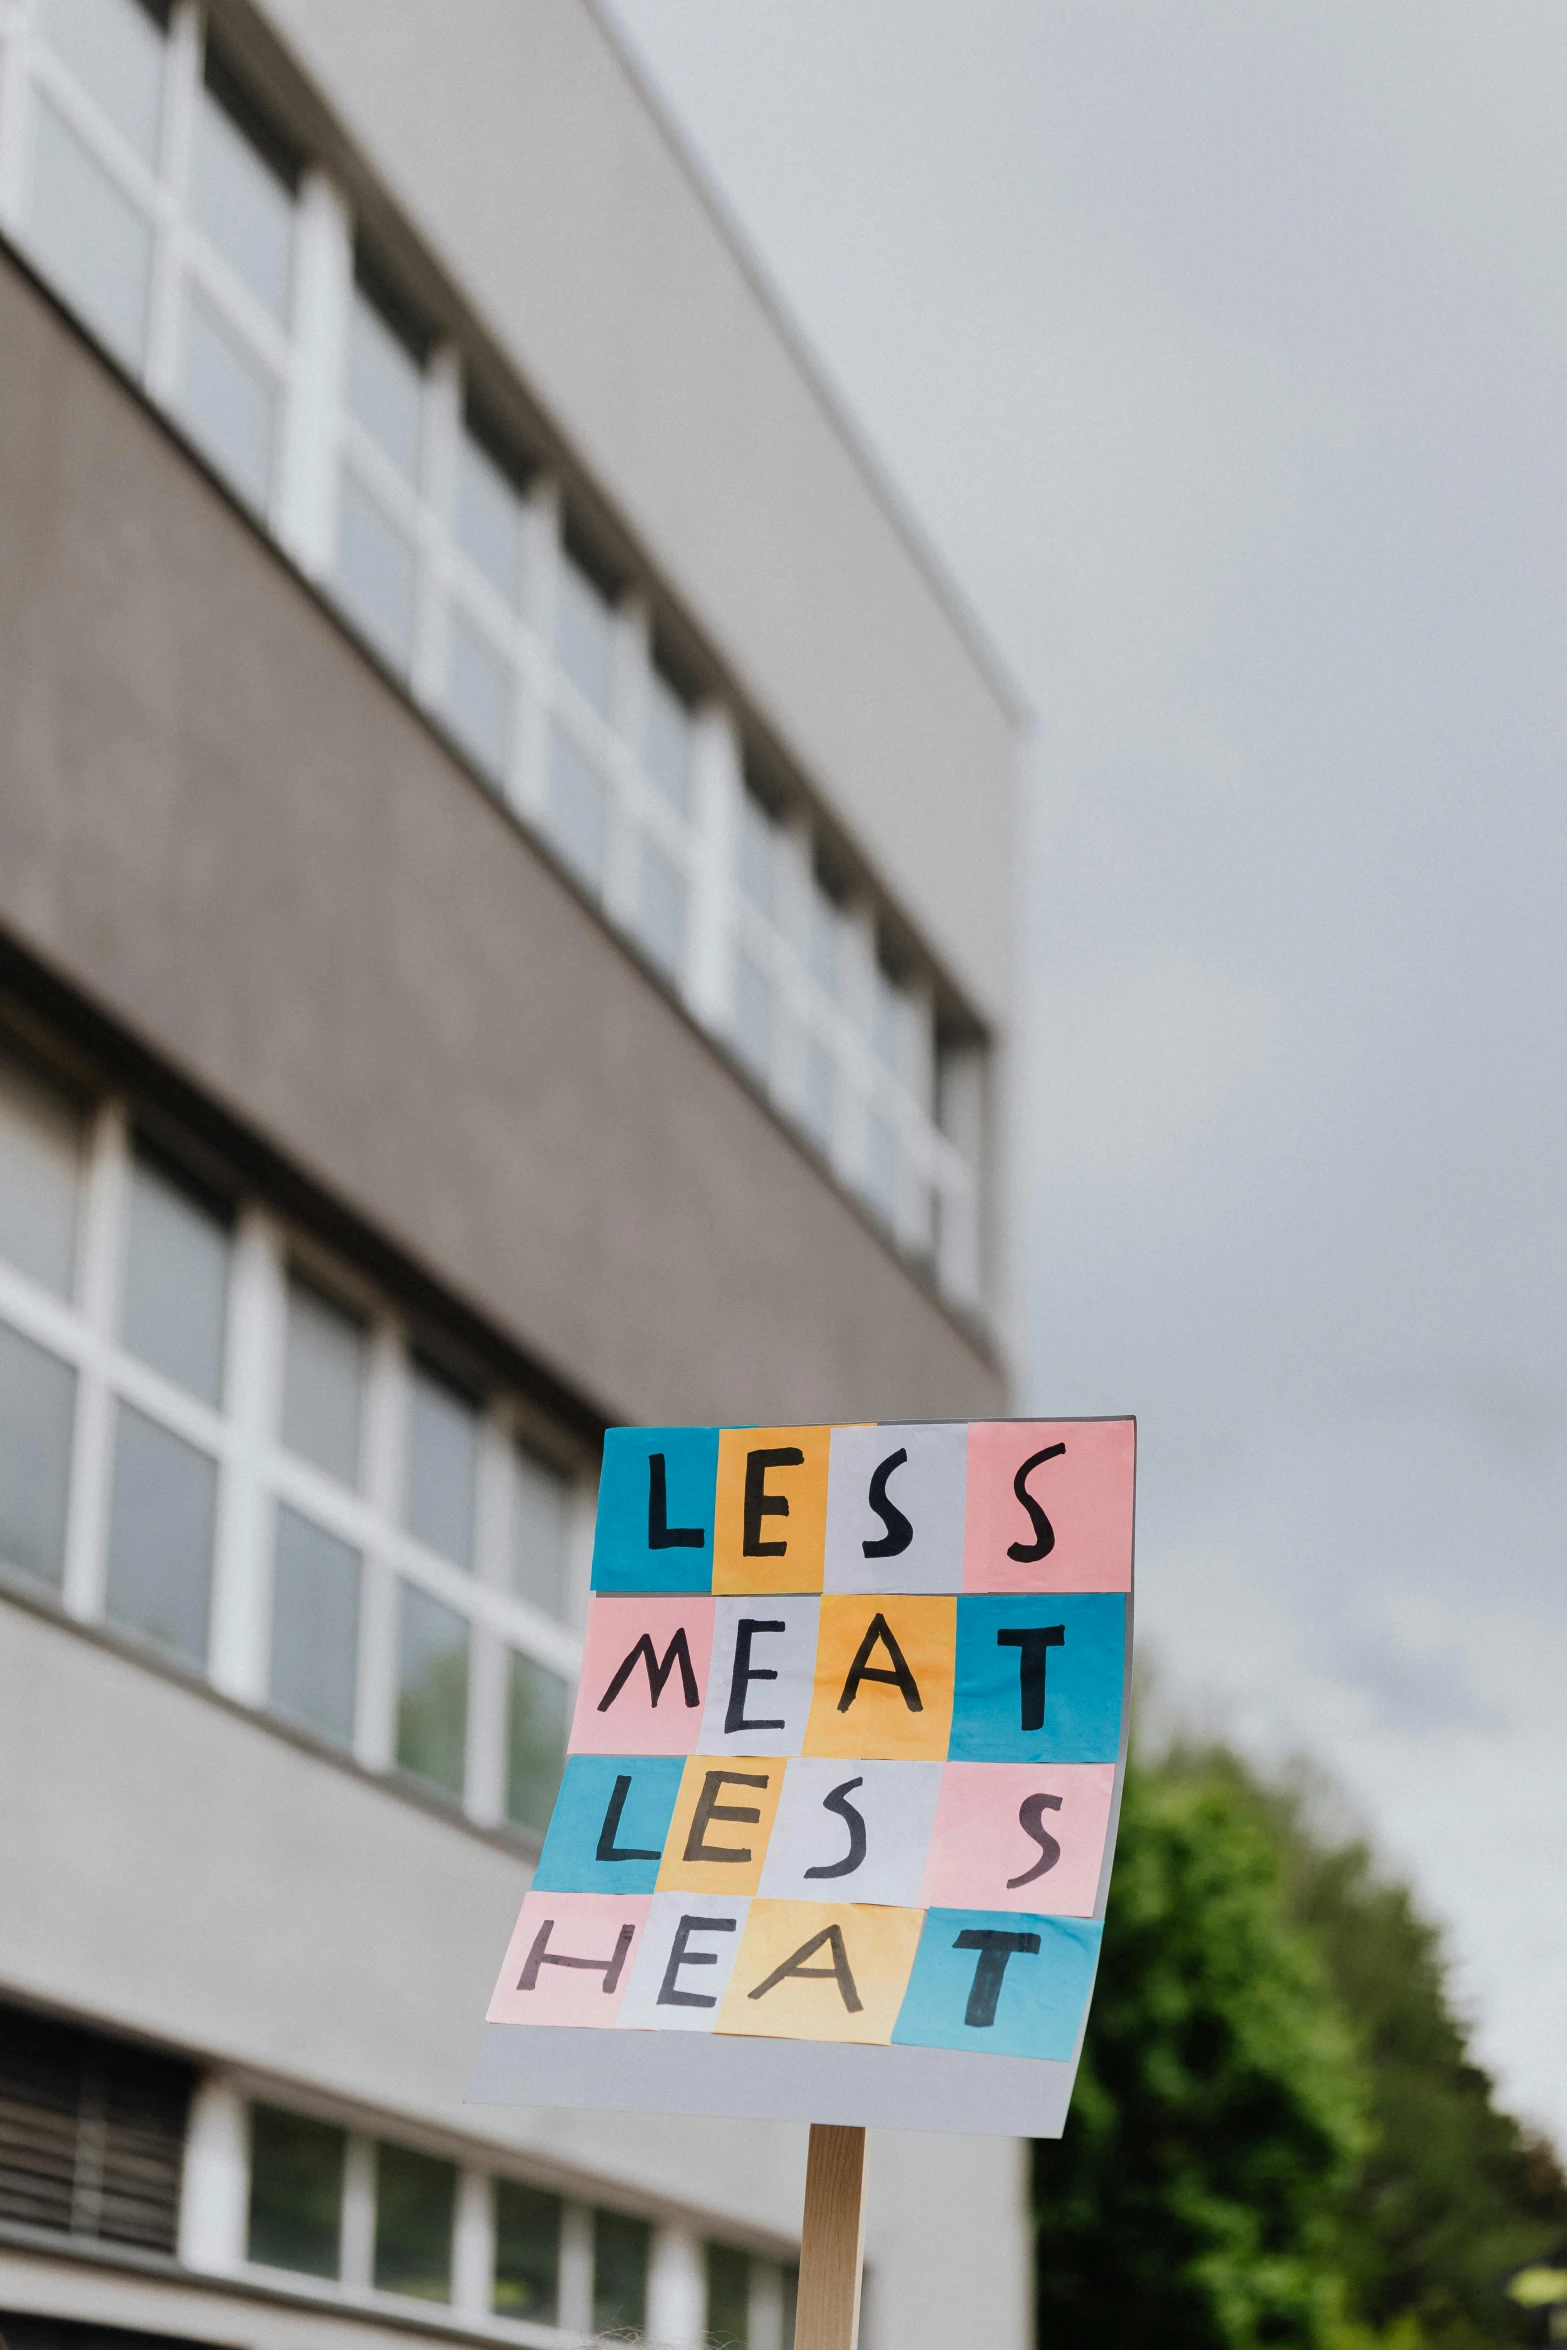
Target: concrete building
506	845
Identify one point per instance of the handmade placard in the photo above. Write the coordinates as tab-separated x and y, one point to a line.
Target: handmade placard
835	1830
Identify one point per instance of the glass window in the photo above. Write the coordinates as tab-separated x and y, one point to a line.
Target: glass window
620	2254
540	1532
245	207
174	1308
668	745
443	1464
489	519
887	1022
40	1163
114	48
576	807
376	571
296	2192
89	237
820	1102
37	1405
728	2298
478	695
881	1167
229	401
315	1628
753	1013
323	1381
385	385
584	633
826	923
661	908
536	1718
758	854
160	1536
432	1691
414	2199
527	2252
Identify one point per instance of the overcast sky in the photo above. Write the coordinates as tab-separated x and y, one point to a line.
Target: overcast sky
1221	352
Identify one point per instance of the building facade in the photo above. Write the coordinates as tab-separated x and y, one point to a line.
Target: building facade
506	858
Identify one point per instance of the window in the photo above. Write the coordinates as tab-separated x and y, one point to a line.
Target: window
314	1665
540	1532
376	571
887	1022
115	51
661	908
584	632
296	2192
819	1101
432	1691
94	2134
620	2258
527	2252
415	2196
537	1714
89	236
323	1381
385	380
443	1465
229	401
242	191
826	926
489	517
478	695
758	854
40	1164
174	1308
728	2298
37	1411
161	1522
667	748
576	808
881	1167
753	1014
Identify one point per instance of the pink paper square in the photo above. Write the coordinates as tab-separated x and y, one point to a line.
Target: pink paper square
1078	1537
669	1637
602	1929
990	1822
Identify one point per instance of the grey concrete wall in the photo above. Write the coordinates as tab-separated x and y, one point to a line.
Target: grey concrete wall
525	155
182	1869
221	824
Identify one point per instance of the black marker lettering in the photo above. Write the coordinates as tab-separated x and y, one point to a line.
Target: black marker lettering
542	1955
745	1672
1035	1640
676	1653
994	1951
1031	1819
838	1801
837	1972
708	1808
760	1504
863	1670
661	1535
899	1532
1044	1542
608	1849
679	1956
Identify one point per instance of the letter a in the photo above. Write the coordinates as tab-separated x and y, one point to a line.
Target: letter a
837	1972
896	1670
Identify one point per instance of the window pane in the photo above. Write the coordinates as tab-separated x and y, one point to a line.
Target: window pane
478	695
160	1535
728	2298
176	1283
40	1162
375	571
296	2192
620	2250
89	238
758	854
791	2299
540	1532
536	1741
661	909
527	2252
229	401
245	208
115	51
819	1106
315	1628
414	2196
668	744
881	1167
584	633
489	519
443	1463
887	1023
432	1691
576	807
323	1381
37	1402
753	1014
826	922
385	386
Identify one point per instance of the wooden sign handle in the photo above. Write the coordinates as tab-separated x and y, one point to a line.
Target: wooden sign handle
828	2312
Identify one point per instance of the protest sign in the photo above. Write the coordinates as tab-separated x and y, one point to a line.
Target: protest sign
835	1829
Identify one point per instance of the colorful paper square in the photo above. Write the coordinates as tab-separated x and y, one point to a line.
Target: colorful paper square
895	1507
684	1962
644	1674
1049	1505
762	1674
771	1509
1040	1677
855	1830
611	1818
569	1959
820	1971
884	1677
722	1820
1018	1836
654	1530
1000	1983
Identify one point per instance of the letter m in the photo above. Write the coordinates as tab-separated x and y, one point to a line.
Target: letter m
677	1653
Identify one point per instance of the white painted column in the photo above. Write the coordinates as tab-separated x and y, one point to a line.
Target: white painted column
765	2315
181	92
676	2291
576	2271
215	2184
102	1241
252	1378
715	825
527	783
15	32
375	1732
473	2247
960	1108
358	2270
323	290
630	657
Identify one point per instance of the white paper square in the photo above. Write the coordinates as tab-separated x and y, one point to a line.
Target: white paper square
707	1928
896	1806
922	1497
764	1678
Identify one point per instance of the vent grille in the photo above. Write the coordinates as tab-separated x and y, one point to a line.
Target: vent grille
92	2134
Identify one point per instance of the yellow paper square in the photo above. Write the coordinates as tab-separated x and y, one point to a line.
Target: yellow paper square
713	1786
904	1717
758	1545
854	1979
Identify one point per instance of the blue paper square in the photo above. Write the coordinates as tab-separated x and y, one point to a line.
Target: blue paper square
609	1805
1040	1677
999	1983
655	1513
